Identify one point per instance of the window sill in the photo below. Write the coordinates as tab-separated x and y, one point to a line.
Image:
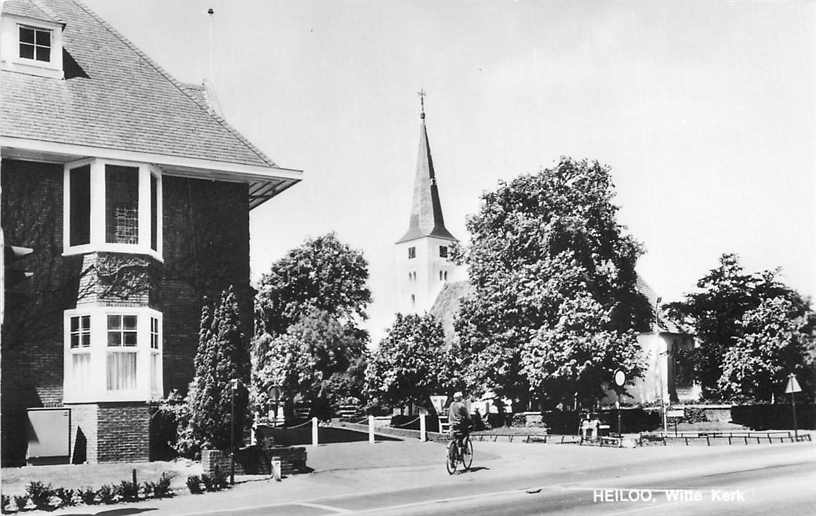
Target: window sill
33	67
112	248
110	397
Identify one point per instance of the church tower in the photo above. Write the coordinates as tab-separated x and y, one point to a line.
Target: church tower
423	253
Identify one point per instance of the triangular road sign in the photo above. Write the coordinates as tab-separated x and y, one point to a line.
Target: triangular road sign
438	403
793	385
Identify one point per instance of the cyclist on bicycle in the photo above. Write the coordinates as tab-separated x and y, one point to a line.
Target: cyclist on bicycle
459	418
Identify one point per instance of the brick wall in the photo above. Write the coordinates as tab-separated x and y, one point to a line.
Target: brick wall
255	460
206	248
123	432
84	433
32	345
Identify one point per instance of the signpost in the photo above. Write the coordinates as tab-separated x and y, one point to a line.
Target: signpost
438	403
675	414
620	380
792	388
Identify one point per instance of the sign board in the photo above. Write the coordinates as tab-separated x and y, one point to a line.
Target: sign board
793	385
675	413
620	378
438	403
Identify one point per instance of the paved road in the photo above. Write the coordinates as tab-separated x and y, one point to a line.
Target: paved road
779	479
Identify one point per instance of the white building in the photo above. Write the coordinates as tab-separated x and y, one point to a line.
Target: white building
423	262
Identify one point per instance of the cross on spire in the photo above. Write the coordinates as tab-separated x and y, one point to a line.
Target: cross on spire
422	94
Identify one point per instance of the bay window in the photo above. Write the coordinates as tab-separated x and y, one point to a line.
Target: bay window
113	354
112	206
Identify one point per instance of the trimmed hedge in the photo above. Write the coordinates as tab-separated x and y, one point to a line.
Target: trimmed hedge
774	417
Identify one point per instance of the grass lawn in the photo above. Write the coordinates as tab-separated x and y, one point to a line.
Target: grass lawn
72	476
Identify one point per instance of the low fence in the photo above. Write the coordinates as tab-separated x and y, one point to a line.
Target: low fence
724	438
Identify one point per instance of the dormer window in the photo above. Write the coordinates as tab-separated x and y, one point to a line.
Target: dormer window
35	43
30	42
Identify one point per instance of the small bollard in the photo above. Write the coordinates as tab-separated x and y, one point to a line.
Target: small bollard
422	436
371	429
314	431
276	469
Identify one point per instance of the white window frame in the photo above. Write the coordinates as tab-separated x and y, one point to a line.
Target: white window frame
98	212
94	388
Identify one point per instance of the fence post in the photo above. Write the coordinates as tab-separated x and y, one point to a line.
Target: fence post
371	429
422	436
314	431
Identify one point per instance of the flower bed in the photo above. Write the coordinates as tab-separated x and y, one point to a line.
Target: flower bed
42	496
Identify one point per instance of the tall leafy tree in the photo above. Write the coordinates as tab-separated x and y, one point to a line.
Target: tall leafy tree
715	314
411	363
222	356
319	284
772	344
315	359
538	242
323	274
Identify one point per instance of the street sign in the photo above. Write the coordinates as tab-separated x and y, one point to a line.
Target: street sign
438	403
675	413
793	385
620	378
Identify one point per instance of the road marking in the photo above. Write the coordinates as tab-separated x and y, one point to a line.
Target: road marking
323	507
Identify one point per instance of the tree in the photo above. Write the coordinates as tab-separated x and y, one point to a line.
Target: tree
221	357
579	354
322	283
411	363
314	359
324	274
771	346
538	242
715	312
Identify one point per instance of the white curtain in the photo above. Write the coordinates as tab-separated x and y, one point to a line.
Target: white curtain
80	371
154	374
121	371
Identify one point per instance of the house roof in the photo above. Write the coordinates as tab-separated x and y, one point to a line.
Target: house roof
27	9
426	211
115	97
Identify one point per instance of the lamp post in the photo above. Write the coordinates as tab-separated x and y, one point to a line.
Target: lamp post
233	390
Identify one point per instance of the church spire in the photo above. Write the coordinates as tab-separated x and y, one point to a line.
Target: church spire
426	211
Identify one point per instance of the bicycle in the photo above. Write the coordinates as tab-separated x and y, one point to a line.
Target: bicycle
459	450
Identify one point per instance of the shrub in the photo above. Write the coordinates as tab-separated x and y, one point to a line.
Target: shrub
4	502
129	490
40	494
88	496
20	502
105	494
161	489
67	496
208	483
519	420
220	479
194	484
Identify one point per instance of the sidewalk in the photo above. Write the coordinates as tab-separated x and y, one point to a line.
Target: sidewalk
353	469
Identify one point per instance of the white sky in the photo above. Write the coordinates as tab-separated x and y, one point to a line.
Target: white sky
705	110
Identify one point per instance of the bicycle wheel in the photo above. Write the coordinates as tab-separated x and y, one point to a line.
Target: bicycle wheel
467	453
451	458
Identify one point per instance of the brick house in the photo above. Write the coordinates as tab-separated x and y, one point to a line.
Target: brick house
134	196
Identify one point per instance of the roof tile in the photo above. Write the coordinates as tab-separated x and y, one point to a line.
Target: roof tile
120	100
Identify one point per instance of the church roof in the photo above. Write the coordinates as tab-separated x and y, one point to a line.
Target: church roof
426	210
